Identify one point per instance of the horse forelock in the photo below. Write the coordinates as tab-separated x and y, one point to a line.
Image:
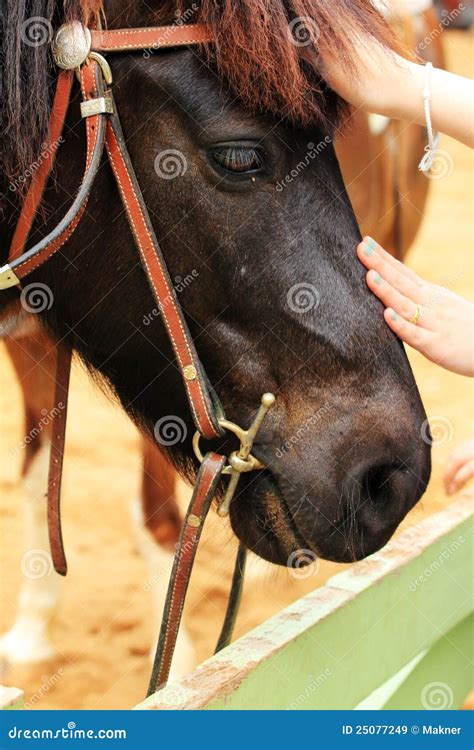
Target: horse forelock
269	51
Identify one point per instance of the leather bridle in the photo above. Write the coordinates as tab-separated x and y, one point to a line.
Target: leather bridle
76	48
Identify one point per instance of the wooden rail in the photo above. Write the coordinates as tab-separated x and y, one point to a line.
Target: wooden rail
390	632
11	698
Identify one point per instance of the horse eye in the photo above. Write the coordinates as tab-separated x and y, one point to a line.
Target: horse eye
239	159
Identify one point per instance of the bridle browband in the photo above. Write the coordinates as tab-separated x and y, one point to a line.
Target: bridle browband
76	48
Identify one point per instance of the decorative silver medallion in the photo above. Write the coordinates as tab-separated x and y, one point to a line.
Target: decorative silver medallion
71	45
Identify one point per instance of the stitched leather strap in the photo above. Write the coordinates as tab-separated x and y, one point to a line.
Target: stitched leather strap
58	437
91	84
204	491
24	263
63	356
40	177
121	40
154	265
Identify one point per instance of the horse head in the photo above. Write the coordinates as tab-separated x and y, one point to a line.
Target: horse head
233	150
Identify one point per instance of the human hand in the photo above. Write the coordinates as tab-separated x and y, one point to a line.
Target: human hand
384	82
434	320
459	467
389	84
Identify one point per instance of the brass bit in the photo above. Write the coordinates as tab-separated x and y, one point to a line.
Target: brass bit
242	461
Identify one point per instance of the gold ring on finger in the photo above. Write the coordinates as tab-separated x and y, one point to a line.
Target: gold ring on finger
416	315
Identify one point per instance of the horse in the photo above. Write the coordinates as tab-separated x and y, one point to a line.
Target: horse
277	300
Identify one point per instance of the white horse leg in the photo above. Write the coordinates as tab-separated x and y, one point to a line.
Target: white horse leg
29	638
160	561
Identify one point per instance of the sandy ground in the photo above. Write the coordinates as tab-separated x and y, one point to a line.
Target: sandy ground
104	627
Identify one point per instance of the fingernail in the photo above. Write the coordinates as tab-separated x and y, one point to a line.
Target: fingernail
371	243
377	278
368	250
393	315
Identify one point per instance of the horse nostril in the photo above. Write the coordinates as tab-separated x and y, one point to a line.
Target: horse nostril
377	481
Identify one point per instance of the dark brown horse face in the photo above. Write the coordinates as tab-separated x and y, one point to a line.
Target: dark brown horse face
256	218
259	237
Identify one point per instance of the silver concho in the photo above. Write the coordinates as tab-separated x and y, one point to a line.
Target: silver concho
71	45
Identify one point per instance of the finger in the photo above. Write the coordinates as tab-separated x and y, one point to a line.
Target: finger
391	260
458	458
399	302
450	472
399	280
417	337
464	474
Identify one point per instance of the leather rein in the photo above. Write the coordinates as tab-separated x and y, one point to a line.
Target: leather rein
78	49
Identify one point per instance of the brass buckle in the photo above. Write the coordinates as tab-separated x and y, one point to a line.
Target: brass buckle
104	66
8	277
240	461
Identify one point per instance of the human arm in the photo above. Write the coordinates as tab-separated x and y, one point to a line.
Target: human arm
390	85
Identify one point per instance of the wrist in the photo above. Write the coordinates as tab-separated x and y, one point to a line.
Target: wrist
401	96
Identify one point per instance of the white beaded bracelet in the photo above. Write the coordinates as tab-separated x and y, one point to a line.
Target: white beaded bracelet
433	137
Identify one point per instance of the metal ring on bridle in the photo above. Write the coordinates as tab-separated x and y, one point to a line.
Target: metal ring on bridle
236	463
241	460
